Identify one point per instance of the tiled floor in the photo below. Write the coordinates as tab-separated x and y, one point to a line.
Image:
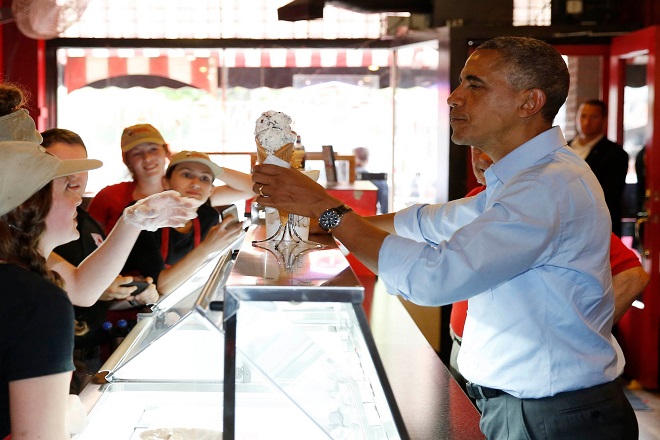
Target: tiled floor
649	421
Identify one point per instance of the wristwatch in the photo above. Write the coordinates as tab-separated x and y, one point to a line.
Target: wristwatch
331	218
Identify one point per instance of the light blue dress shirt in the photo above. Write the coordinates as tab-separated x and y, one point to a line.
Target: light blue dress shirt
536	245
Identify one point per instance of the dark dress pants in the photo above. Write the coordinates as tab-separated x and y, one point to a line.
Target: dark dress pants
601	412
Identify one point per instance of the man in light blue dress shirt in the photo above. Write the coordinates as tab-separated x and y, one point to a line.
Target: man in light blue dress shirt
537	347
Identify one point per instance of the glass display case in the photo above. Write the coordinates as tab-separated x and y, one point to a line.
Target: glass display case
259	349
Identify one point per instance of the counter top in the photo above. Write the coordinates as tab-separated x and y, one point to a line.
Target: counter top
291	271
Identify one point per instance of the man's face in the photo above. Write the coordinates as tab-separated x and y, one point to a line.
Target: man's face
484	107
480	163
590	121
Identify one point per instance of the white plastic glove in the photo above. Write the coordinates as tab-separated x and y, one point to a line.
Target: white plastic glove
162	210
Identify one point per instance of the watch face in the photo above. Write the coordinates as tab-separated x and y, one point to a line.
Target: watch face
329	219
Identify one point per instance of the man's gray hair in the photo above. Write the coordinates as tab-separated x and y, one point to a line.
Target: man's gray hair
534	64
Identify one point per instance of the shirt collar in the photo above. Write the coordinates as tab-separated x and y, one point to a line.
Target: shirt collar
526	155
577	143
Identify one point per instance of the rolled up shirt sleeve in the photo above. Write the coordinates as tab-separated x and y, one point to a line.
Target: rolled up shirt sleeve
450	252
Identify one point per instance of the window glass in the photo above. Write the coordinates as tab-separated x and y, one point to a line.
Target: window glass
209	100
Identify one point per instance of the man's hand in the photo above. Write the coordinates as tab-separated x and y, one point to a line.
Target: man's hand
291	191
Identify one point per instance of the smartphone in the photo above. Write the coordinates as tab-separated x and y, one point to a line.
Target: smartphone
141	285
230	211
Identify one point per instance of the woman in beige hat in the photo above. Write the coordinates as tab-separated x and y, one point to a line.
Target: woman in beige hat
37	213
145	154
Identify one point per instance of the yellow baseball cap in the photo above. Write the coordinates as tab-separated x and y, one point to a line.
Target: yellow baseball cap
139	134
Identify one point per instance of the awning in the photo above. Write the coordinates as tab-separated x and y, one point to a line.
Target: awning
199	67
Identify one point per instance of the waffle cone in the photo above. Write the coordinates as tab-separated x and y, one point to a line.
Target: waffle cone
284	153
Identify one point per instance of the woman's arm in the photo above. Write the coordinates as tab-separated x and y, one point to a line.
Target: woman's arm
86	283
237	186
38	407
218	238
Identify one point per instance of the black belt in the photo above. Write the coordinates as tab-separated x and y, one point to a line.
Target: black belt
478	392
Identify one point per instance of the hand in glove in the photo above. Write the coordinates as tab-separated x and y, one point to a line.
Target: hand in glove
161	210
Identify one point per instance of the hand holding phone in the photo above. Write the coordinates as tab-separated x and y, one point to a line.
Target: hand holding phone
141	285
230	211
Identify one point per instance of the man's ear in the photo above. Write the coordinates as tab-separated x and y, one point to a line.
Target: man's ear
534	101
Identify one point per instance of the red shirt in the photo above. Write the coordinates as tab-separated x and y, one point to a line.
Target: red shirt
621	258
108	205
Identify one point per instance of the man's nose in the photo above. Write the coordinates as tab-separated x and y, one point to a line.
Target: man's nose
454	100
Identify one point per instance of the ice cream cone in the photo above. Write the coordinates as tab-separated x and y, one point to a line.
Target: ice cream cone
284	153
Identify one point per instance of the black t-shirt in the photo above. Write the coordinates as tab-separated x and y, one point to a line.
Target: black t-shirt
36	331
91	237
145	258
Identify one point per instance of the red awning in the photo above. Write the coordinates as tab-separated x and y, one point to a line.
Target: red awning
199	68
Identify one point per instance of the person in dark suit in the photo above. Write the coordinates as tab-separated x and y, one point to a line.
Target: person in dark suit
608	160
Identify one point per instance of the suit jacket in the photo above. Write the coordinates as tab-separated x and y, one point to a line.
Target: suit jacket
609	162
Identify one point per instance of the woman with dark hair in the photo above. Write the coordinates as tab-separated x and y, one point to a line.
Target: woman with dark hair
37	213
171	255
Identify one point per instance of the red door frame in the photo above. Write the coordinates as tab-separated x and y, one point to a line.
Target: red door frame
639	330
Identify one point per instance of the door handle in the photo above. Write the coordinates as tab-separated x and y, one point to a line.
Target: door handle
642	217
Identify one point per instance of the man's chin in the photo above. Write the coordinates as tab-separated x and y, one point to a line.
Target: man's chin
459	140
